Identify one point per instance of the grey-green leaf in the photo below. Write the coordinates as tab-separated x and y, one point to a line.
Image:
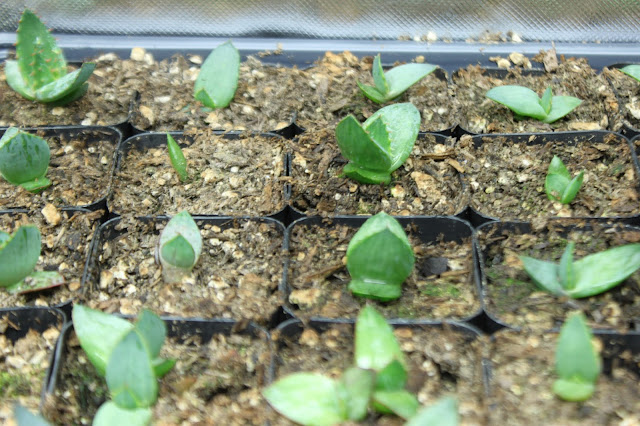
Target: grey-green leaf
545	100
402	77
24	417
66	85
577	362
306	398
572	188
24	157
180	246
217	82
356	387
544	274
178	252
16	81
176	156
442	413
521	100
110	414
392	377
356	145
379	79
375	344
153	331
130	377
37	281
632	71
19	255
401	402
98	333
561	106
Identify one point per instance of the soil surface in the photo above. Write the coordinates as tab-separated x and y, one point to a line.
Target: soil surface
65	247
511	296
212	383
627	90
440	362
570	77
23	368
428	183
242	176
507	179
80	171
330	92
106	103
236	276
440	286
523	373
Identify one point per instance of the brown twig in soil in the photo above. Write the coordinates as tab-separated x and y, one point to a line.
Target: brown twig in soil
322	273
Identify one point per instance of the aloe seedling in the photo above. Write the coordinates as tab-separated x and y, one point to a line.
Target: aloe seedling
558	184
24	159
376	382
577	361
524	102
591	275
19	254
380	145
218	79
176	156
632	71
39	72
127	355
179	247
379	258
391	84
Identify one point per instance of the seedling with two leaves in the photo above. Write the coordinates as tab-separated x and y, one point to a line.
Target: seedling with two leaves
217	82
179	247
577	361
379	146
376	382
589	276
24	160
39	72
559	185
393	83
524	102
127	356
379	258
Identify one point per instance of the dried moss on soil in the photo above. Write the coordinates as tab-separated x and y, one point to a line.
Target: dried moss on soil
440	362
236	276
627	90
427	184
506	179
65	247
242	176
318	278
514	299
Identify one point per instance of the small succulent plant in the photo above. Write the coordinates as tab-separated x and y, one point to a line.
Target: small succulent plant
218	79
559	185
524	102
179	247
24	159
379	146
39	72
379	258
393	83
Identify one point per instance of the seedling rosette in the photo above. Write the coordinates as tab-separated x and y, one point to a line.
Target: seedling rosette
524	102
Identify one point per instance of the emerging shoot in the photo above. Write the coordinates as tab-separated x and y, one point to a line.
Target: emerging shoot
379	258
591	275
176	156
127	355
19	254
39	72
394	82
558	184
218	79
524	102
577	361
376	382
632	71
379	146
179	247
24	159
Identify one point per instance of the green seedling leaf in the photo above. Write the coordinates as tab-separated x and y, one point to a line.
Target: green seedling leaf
442	413
394	82
180	246
379	258
24	417
632	71
577	362
558	184
525	102
37	281
392	377
18	256
593	274
162	366
400	402
110	414
566	272
381	144
130	377
218	79
176	156
306	398
98	333
40	71
24	159
375	344
356	388
152	330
